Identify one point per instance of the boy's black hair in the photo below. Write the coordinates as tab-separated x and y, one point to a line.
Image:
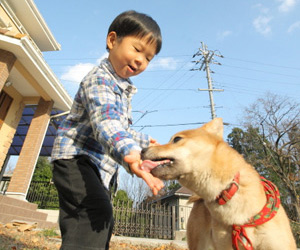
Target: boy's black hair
136	24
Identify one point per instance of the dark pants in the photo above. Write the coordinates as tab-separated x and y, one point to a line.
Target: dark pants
85	215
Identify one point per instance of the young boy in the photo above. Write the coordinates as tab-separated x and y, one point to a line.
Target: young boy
95	138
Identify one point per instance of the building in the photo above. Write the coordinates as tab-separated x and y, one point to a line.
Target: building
178	198
31	96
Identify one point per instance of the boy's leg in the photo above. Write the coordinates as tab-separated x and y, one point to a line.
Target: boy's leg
86	218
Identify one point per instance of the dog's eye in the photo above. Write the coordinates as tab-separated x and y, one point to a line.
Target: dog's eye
177	139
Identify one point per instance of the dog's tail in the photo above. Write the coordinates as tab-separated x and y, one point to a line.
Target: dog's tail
195	198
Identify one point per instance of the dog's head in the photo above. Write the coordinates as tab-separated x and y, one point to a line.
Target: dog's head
186	151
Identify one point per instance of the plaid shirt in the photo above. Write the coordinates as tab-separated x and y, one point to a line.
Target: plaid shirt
98	123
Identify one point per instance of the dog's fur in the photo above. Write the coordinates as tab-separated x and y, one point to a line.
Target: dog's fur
205	164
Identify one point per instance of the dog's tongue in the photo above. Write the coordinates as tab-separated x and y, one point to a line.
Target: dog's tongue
148	165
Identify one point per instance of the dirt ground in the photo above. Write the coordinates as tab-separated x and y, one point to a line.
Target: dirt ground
15	238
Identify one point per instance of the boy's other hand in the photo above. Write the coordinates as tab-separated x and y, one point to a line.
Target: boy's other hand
153	142
134	161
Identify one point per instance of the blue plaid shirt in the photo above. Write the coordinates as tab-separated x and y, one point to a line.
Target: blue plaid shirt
98	123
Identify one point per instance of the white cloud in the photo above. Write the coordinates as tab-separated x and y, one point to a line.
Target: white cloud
78	71
286	5
262	9
262	25
294	26
222	35
163	63
105	55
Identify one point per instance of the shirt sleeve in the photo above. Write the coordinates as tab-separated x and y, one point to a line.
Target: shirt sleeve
99	96
143	140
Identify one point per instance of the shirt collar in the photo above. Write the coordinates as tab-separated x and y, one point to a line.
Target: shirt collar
124	83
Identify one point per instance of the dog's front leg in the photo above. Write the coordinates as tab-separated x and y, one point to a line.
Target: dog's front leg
199	227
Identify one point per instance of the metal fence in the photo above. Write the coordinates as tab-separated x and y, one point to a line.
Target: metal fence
144	220
44	194
133	220
4	184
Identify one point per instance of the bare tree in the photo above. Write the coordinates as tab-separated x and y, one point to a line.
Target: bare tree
10	168
138	191
277	121
135	187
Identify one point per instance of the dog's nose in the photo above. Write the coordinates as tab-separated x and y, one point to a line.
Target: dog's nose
144	150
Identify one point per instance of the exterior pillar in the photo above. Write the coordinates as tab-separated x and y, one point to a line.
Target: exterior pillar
7	60
20	181
8	129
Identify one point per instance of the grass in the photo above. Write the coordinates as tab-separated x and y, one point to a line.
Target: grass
52	232
49	239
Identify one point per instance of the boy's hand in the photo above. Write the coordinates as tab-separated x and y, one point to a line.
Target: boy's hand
134	161
153	142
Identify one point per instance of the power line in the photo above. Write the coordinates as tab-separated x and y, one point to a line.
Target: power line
162	96
96	58
168	125
159	86
170	109
158	56
230	66
258	80
261	63
179	124
181	77
144	113
154	89
257	70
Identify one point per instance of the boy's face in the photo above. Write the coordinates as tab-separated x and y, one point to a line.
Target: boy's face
131	55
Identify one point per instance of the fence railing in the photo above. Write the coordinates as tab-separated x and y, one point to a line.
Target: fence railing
44	194
133	220
4	184
144	220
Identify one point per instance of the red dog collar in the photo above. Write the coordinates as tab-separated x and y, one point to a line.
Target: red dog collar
228	193
267	213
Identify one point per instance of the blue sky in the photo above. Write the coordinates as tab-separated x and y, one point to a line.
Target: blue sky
258	39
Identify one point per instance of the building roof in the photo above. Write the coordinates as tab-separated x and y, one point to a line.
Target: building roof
27	17
177	192
31	76
183	191
50	86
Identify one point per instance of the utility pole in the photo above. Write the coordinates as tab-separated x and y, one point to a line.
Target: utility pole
207	57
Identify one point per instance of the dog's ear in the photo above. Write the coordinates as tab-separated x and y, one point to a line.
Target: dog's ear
215	127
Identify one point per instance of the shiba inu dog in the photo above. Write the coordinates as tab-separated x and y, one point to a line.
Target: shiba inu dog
238	209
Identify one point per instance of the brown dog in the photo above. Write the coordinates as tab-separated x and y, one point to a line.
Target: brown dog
232	213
